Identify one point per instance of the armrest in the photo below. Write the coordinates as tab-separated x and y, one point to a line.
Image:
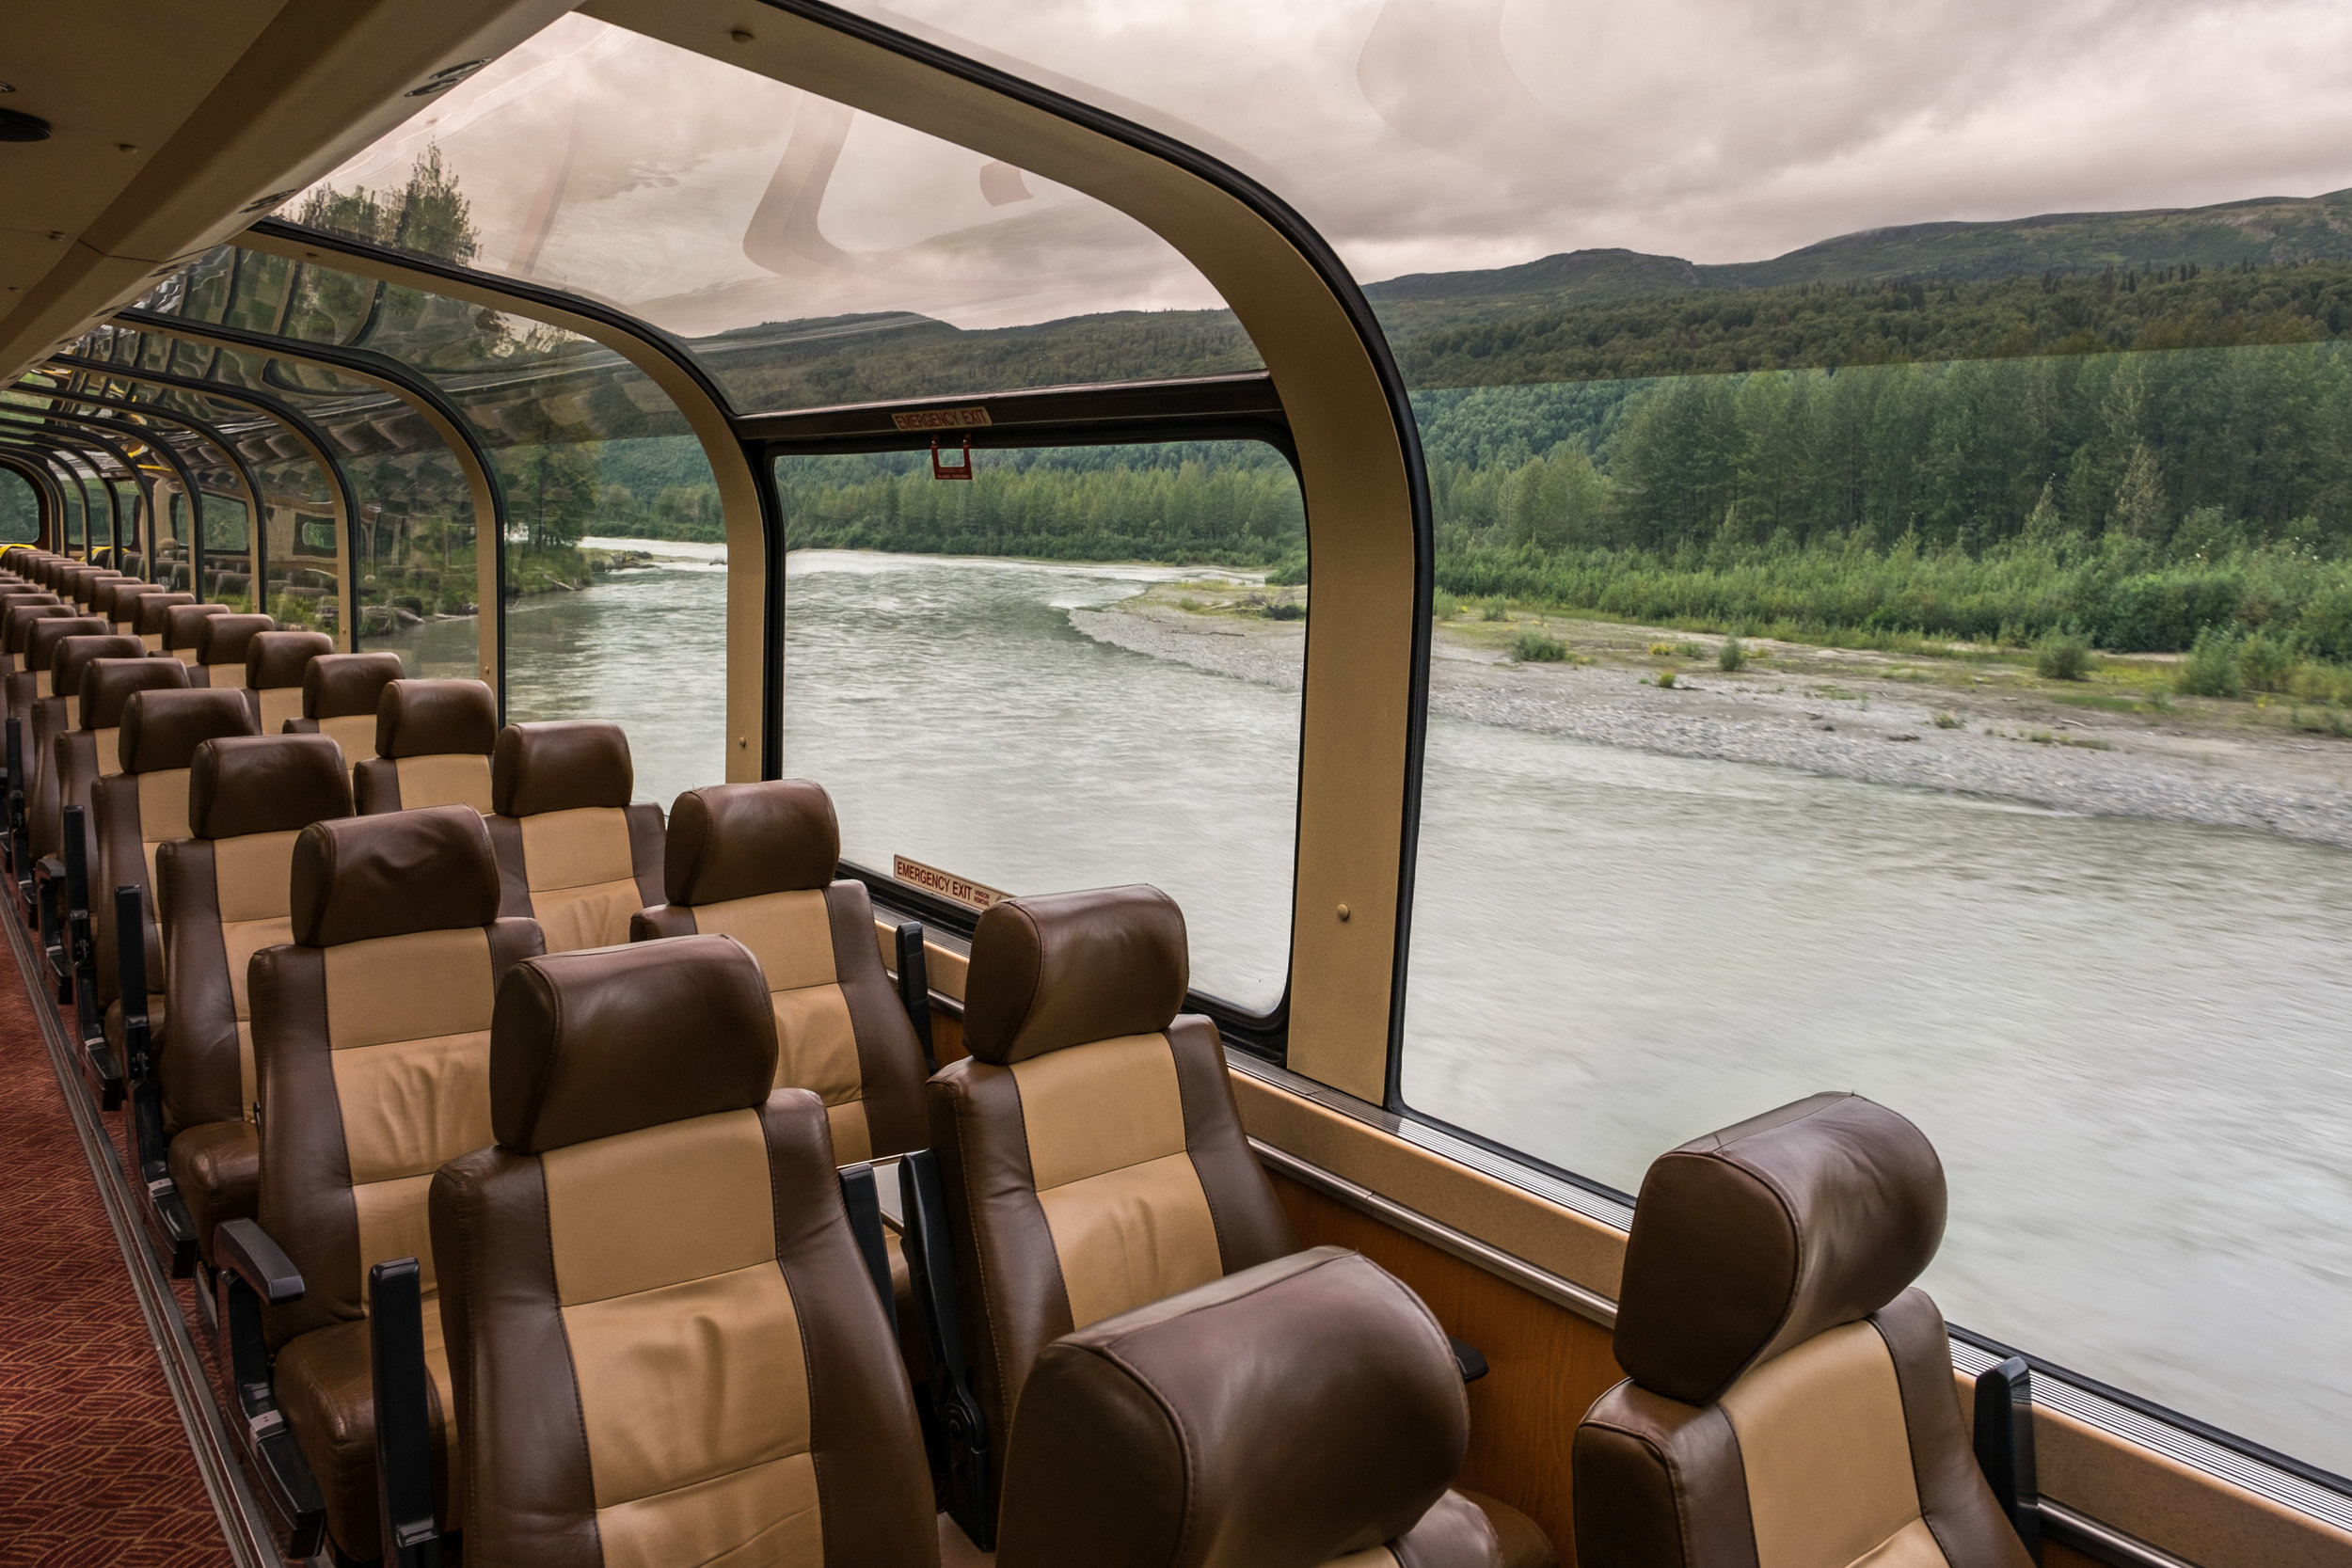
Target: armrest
404	1419
244	1249
2004	1445
1470	1358
931	1270
863	1203
914	987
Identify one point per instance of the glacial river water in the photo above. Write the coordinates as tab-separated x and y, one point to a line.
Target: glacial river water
2130	1041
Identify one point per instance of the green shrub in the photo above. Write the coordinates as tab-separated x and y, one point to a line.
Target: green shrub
1494	609
1949	722
1731	656
2265	663
1666	678
1444	607
1289	572
1286	610
2211	668
2063	657
1533	647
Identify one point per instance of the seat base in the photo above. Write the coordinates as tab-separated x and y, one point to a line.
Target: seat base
218	1168
325	1387
1520	1542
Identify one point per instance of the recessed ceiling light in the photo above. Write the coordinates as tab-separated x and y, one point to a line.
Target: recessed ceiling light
17	126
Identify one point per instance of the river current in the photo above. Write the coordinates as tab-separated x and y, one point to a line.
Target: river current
2127	1038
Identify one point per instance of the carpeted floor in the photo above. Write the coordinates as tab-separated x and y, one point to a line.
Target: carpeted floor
94	1464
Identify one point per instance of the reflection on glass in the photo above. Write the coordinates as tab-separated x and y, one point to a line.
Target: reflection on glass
20	509
988	681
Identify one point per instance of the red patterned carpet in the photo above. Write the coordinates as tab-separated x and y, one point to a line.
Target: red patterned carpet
94	1464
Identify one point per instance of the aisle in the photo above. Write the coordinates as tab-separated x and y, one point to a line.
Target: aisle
94	1463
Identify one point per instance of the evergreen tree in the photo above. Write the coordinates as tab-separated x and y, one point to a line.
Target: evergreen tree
2139	500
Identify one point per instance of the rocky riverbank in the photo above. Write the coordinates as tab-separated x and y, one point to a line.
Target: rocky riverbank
1981	725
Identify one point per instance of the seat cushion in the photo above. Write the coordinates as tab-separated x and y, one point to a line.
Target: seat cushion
326	1388
1461	1531
1521	1539
218	1168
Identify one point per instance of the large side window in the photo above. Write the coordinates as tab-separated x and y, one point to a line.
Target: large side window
20	509
1078	667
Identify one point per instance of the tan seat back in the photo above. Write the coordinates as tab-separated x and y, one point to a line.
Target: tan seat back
723	1391
93	749
340	693
574	853
433	746
1089	1149
755	862
275	663
56	713
226	892
34	678
1790	1403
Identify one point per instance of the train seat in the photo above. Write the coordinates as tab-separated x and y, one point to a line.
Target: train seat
119	602
84	755
81	582
432	748
55	714
339	696
372	1042
755	862
574	854
27	667
143	805
154	614
1790	1399
183	634
12	602
35	678
275	663
226	892
638	1389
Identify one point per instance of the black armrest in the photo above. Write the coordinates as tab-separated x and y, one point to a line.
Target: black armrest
244	1249
859	1196
1470	1358
130	982
931	1266
915	988
2004	1445
403	1420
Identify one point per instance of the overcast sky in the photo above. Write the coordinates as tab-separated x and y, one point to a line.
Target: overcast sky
1418	135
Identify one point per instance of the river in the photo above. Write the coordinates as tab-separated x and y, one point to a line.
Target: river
2127	1038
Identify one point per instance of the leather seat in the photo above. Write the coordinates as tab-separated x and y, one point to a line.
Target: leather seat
221	647
574	854
56	713
632	1389
144	805
34	679
154	614
226	892
755	862
80	582
371	1041
25	599
119	602
184	632
433	746
1789	1401
339	696
276	664
1093	1163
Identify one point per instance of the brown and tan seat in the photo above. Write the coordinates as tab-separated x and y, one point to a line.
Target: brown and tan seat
183	633
371	1041
35	678
433	746
339	696
574	854
154	615
56	713
755	862
1789	1402
119	602
9	604
226	892
145	805
275	663
80	582
222	645
635	1390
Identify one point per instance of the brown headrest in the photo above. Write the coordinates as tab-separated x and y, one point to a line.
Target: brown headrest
341	686
427	719
742	840
275	659
108	684
225	639
356	877
1751	1240
117	600
560	766
21	620
73	655
155	610
1064	968
161	729
17	598
589	1044
1148	1434
42	637
185	624
265	784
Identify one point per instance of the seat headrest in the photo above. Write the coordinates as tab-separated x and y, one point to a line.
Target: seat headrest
1751	1240
589	1044
344	686
73	655
560	766
356	877
265	784
118	600
161	729
155	610
41	639
426	718
25	617
108	683
227	638
275	659
742	840
1063	969
1151	1430
185	624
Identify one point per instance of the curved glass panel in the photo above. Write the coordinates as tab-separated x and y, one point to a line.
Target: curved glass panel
20	509
805	253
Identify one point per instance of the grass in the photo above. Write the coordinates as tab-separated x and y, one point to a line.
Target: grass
1666	678
1948	720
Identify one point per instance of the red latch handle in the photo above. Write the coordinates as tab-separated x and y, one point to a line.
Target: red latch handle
951	470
